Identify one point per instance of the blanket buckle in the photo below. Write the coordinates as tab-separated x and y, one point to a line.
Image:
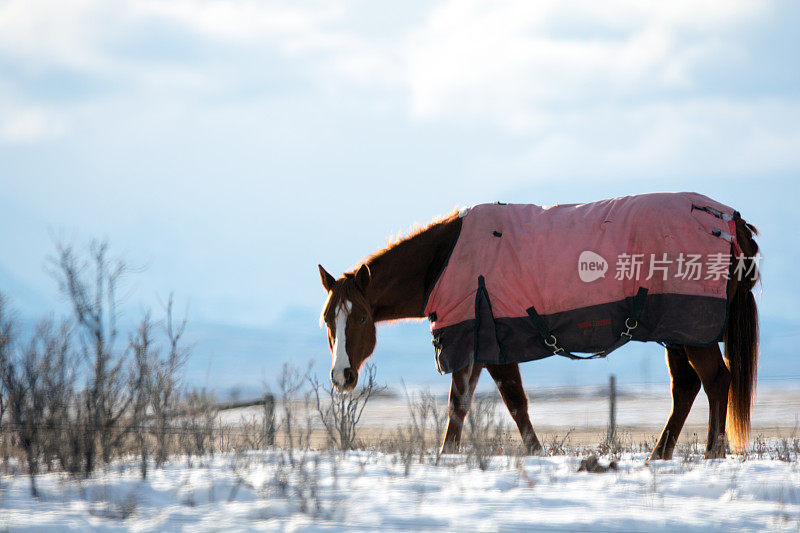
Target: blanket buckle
630	327
631	323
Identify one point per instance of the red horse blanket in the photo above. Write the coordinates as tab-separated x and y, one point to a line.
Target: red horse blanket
524	282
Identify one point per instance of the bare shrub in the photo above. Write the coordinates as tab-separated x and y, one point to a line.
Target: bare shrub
6	332
787	448
403	443
484	434
258	432
341	413
420	437
37	383
140	387
427	420
307	487
24	397
301	484
291	383
198	427
165	384
130	392
94	303
61	424
127	394
559	446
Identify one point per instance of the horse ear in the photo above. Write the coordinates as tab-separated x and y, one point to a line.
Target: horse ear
362	277
328	281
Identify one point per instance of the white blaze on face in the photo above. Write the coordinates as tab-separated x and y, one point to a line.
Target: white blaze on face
340	359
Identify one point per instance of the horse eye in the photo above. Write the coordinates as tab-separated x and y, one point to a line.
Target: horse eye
363	319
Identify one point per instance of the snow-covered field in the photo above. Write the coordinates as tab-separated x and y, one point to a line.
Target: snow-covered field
370	491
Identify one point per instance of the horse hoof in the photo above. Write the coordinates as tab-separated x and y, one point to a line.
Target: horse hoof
535	450
714	454
658	455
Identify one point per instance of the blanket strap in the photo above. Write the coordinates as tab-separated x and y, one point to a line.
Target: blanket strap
549	339
631	323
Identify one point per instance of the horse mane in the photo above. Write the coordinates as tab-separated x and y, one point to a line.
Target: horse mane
348	290
398	240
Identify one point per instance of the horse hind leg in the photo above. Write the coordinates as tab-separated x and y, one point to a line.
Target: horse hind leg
509	383
716	378
462	389
684	384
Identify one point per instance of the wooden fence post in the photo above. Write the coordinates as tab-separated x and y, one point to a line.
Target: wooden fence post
612	410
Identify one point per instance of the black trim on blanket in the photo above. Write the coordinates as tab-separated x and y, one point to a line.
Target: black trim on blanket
631	323
477	327
487	347
667	318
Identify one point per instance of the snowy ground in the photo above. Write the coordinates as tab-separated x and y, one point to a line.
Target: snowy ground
369	491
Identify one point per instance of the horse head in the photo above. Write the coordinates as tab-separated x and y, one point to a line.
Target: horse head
349	320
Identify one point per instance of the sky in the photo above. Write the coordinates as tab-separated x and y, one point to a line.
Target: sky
227	147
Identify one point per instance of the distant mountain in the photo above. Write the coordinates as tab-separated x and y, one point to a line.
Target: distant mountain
232	356
226	357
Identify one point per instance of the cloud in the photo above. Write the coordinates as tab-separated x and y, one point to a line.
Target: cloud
192	128
628	85
499	61
506	61
191	40
695	138
47	34
28	124
612	89
294	27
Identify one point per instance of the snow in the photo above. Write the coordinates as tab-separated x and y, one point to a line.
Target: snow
368	491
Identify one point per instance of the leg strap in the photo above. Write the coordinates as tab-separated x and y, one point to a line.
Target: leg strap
631	323
549	339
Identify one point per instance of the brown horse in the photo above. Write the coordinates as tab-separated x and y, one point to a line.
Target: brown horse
393	284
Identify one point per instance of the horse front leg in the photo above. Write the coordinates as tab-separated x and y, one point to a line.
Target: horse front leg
509	383
462	388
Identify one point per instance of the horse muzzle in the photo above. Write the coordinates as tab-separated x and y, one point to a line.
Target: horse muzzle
346	381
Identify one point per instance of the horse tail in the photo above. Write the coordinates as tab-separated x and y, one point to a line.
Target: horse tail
741	338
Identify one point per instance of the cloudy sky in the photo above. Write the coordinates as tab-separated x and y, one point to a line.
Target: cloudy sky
229	146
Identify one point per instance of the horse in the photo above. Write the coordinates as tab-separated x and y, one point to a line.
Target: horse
395	284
